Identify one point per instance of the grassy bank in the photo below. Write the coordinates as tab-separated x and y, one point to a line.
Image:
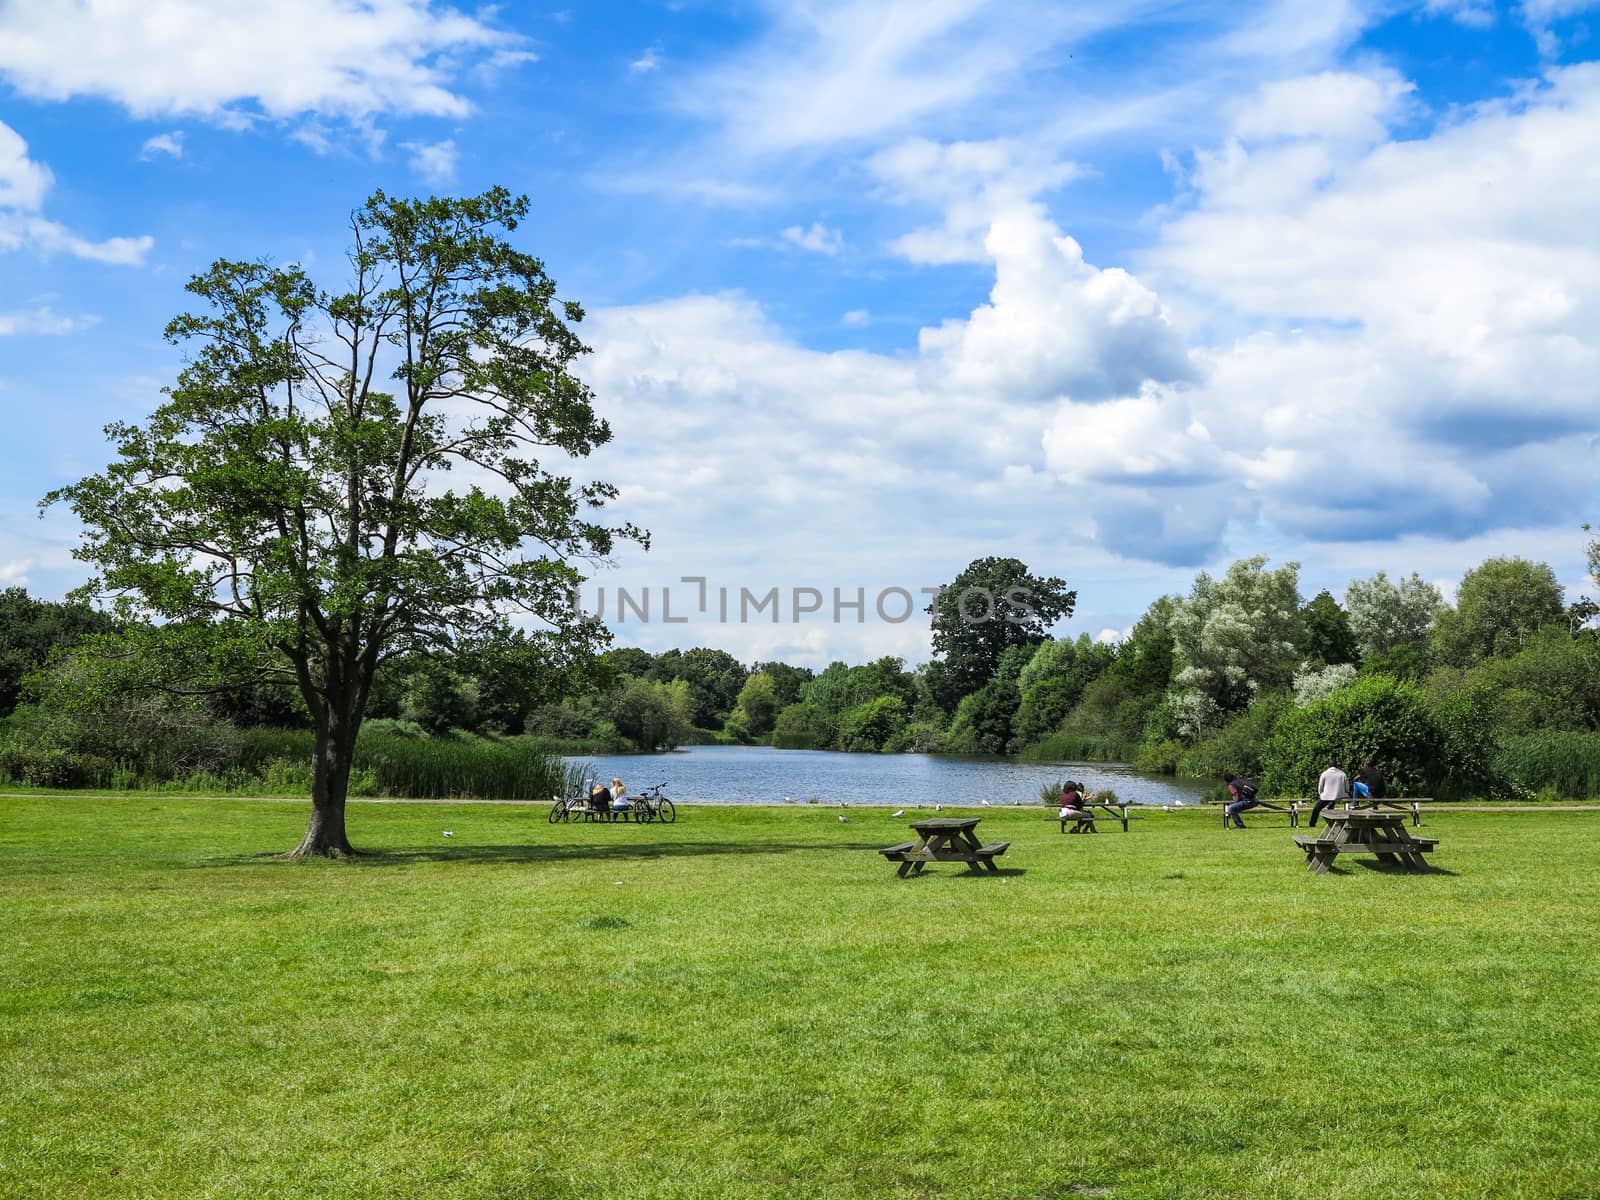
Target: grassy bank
748	1003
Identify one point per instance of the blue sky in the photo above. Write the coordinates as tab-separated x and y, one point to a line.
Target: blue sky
1125	290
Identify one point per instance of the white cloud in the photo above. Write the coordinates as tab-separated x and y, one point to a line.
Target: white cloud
856	318
817	238
1474	14
649	61
851	70
43	320
434	161
15	572
1055	325
170	144
970	183
280	58
1341	106
23	185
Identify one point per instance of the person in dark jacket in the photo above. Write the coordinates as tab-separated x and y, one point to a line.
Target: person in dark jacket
1244	797
1373	778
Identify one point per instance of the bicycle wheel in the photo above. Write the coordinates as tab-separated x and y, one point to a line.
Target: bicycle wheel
559	812
642	812
665	811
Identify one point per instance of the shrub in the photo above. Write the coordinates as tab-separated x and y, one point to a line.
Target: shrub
1159	756
1238	746
802	727
917	737
867	727
1378	718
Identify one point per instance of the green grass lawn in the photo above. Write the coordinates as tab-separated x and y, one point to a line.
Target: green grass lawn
749	1004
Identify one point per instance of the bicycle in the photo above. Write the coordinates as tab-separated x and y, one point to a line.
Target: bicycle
568	807
651	805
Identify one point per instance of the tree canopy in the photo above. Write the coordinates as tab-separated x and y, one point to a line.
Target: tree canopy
287	513
991	606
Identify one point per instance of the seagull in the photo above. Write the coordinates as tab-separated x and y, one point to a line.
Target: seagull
1179	803
938	808
986	804
844	818
449	833
899	812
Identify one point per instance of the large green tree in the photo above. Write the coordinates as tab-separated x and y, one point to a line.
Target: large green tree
990	607
287	513
1328	637
1499	605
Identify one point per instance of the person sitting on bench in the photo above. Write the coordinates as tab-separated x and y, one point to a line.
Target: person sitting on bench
1073	804
1333	785
1244	797
619	798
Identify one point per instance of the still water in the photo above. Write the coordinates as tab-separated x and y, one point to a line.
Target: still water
761	775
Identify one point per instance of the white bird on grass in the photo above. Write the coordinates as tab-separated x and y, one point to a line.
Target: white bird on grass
1179	803
844	818
986	804
938	808
899	812
449	833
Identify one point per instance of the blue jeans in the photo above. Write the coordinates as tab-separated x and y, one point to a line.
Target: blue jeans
1238	806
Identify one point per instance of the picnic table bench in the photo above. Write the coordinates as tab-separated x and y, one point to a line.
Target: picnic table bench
1267	808
1085	823
1365	831
944	839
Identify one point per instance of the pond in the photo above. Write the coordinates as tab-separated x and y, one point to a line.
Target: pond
761	775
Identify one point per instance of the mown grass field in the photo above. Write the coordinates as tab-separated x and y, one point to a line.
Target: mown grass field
749	1004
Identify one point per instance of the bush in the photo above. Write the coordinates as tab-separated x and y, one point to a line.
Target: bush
1379	719
867	727
1238	746
917	737
1565	763
1159	756
802	727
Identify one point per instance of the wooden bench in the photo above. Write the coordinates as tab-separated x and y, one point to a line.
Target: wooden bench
1267	808
992	850
897	853
1085	823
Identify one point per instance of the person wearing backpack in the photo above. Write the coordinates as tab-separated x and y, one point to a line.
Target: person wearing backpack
1244	796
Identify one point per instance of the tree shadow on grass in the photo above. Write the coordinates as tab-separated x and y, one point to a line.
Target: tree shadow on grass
527	853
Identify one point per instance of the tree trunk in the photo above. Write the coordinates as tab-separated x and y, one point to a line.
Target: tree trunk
325	836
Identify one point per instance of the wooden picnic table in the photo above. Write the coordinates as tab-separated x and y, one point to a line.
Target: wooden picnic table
944	839
1365	831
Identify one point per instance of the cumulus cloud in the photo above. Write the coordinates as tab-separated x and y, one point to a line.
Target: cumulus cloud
1428	310
23	185
969	183
1055	325
280	58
